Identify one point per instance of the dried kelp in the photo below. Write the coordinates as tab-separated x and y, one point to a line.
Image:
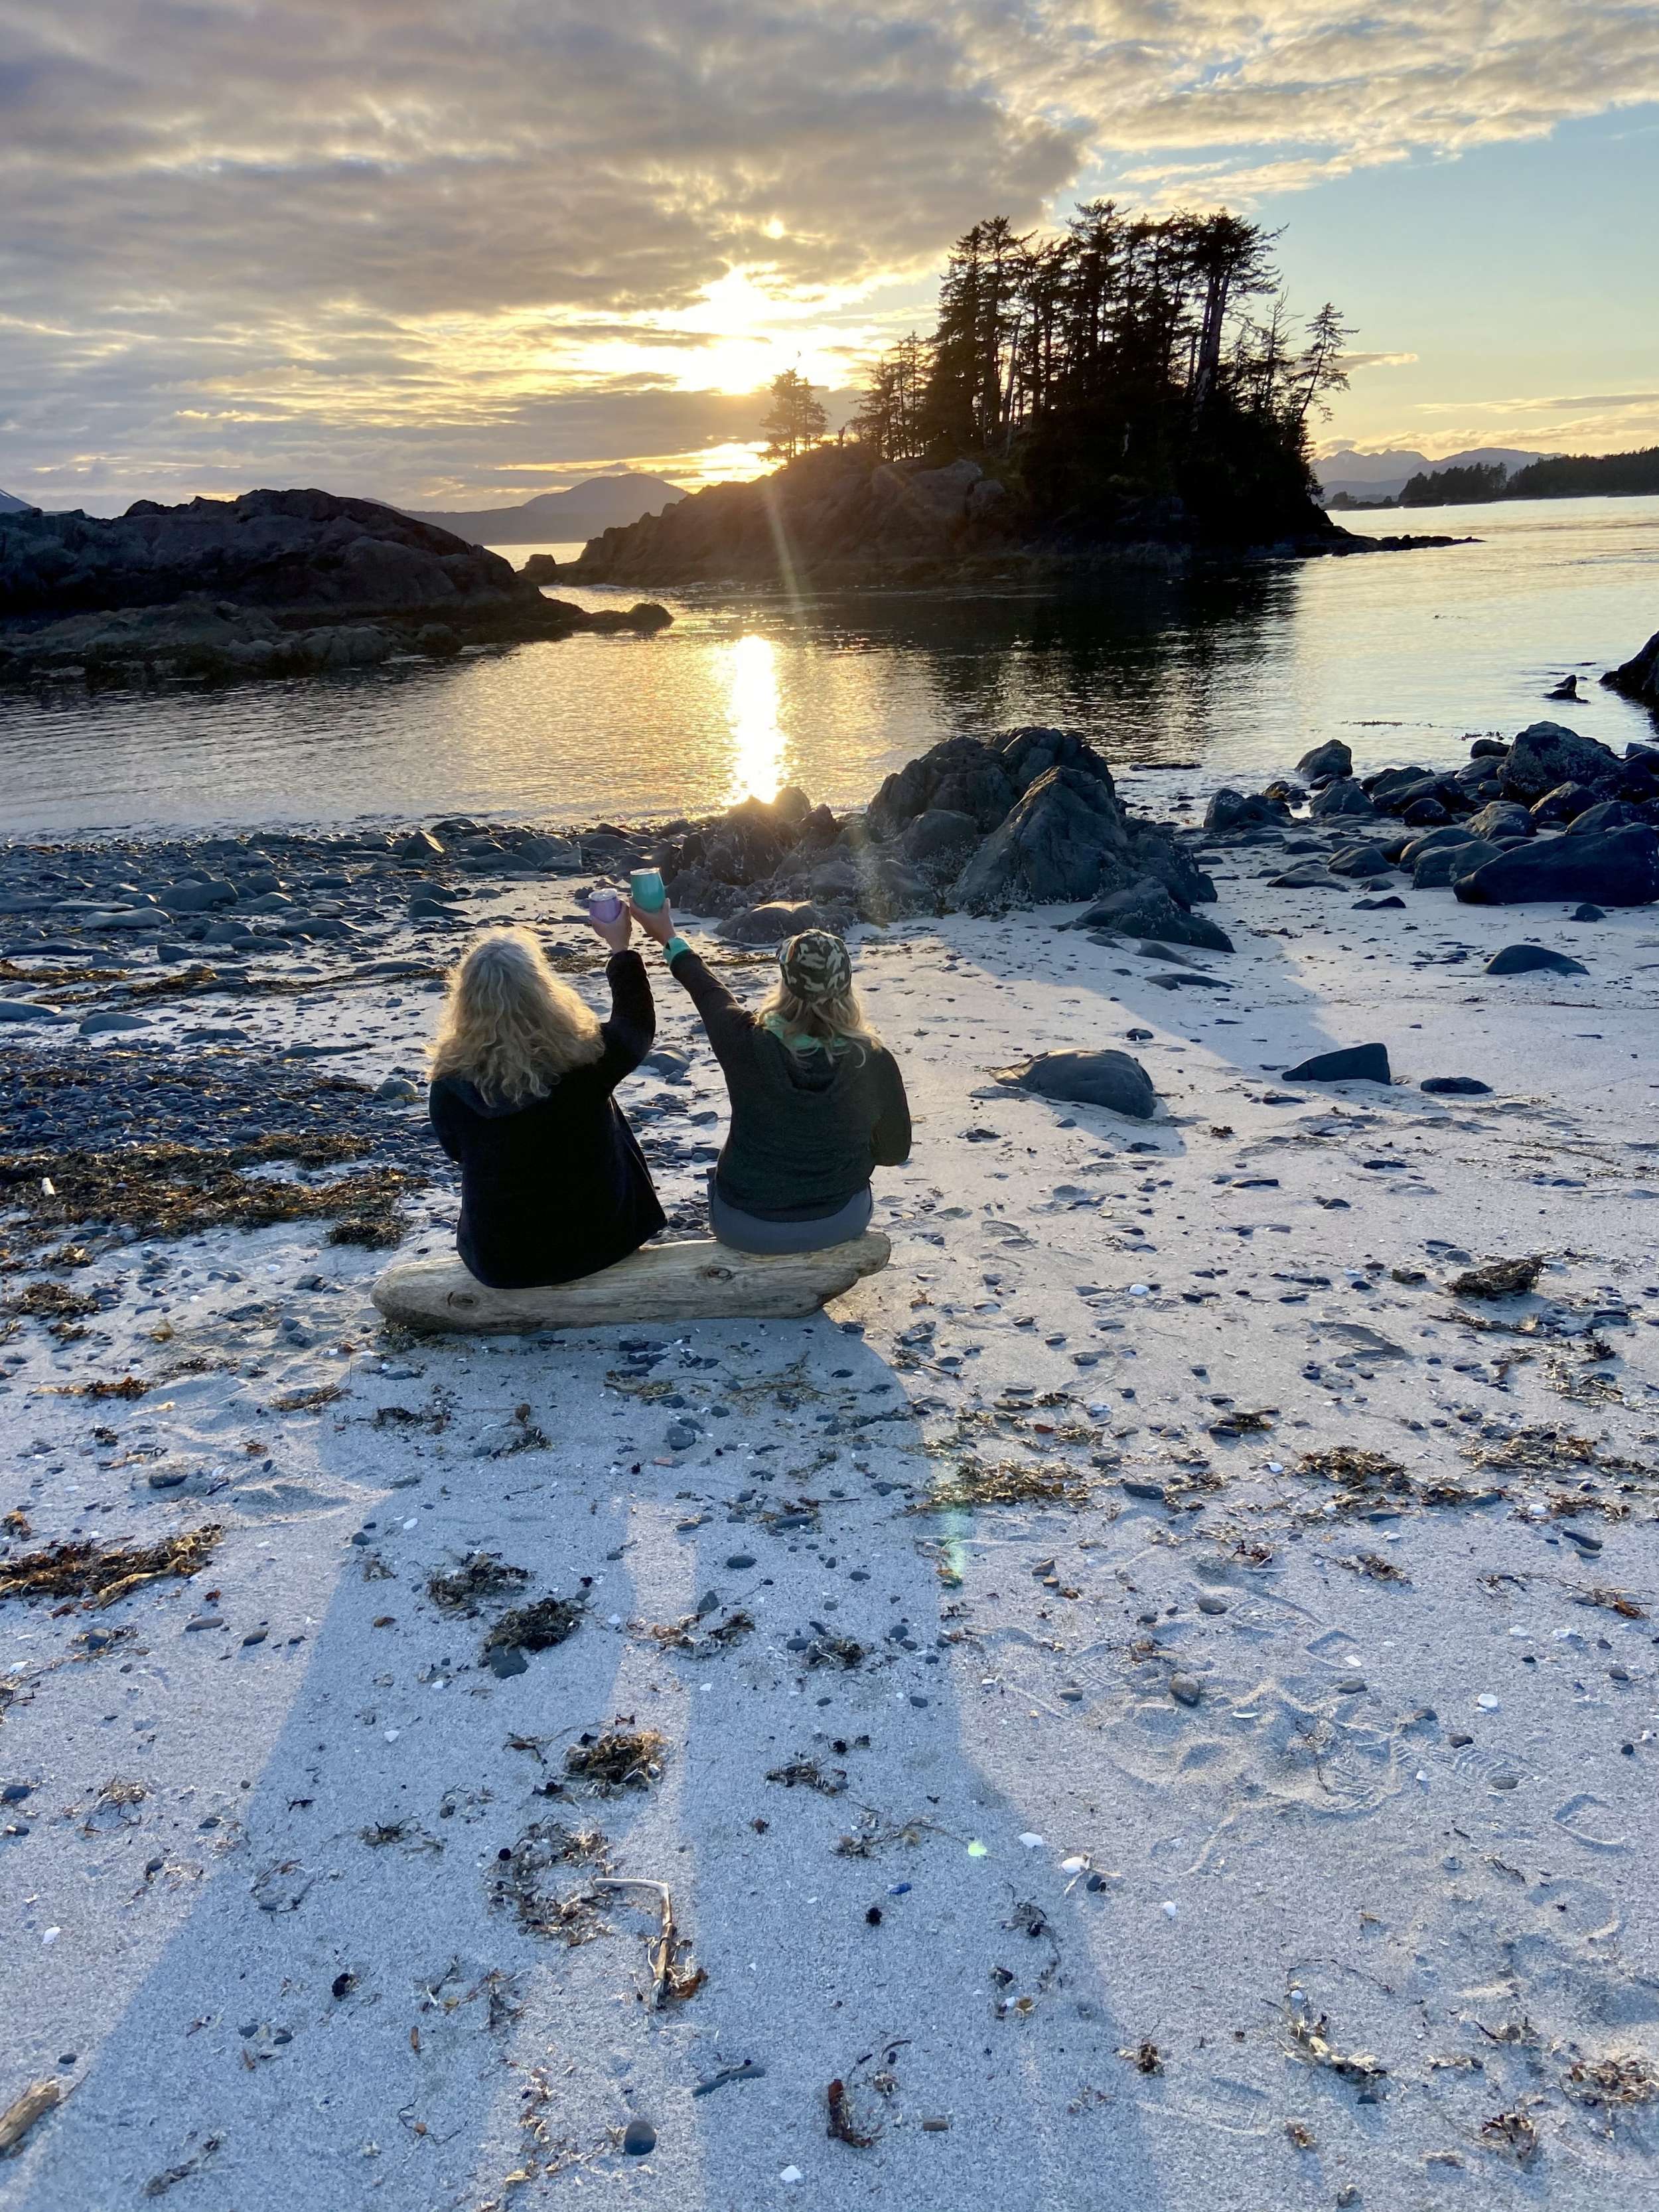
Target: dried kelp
621	1759
536	1627
170	1189
1498	1279
1347	1464
807	1774
85	1570
1374	1566
1310	2041
1006	1482
1600	2082
482	1574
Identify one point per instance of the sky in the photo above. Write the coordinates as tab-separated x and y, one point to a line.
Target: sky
452	252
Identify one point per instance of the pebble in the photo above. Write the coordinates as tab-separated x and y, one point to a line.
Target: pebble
1186	1689
639	2139
740	1561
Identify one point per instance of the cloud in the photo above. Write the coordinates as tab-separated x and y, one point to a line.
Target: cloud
392	243
1352	362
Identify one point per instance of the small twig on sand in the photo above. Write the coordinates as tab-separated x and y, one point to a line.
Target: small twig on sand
670	1983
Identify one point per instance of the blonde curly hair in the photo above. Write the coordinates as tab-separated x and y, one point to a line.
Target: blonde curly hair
510	1026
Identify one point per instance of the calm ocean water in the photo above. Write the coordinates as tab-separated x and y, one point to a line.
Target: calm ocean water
1404	655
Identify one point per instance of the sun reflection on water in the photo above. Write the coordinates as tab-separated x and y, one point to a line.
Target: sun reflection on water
758	742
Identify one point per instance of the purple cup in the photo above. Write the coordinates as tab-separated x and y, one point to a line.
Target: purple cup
605	906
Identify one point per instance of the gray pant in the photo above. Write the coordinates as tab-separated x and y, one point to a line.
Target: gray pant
748	1232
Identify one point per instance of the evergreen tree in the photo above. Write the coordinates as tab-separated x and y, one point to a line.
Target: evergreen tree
796	420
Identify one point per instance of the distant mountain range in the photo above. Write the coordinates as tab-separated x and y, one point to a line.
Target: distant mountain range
557	518
10	506
1385	476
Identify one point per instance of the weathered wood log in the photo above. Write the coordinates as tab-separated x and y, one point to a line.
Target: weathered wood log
698	1280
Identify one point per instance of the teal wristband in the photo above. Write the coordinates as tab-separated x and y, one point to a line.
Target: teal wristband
675	946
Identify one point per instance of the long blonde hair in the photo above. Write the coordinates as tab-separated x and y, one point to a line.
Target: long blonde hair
829	1022
510	1026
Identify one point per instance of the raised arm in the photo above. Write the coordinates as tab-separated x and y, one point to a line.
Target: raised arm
632	1029
889	1141
730	1026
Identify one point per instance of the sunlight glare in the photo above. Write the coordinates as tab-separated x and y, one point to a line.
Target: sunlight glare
752	708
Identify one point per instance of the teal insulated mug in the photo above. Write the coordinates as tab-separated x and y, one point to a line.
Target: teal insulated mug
644	885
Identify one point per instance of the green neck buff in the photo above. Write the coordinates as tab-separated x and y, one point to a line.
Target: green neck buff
798	1041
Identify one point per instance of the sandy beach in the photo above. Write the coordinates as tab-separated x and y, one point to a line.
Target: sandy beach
1153	1696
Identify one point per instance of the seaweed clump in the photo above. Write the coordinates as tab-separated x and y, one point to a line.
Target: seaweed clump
83	1570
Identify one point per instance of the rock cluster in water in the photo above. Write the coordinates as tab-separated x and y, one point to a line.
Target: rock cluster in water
274	583
1550	816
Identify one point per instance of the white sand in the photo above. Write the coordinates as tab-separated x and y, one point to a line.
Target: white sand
1285	1834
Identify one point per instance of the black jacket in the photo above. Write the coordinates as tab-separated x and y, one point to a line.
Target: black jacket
557	1188
806	1126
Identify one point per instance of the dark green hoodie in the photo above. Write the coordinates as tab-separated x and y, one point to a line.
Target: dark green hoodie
806	1126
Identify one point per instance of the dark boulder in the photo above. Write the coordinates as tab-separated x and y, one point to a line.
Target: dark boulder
1354	1063
540	568
1616	867
694	891
1341	797
1564	803
1489	749
1326	762
1148	908
1237	810
1115	1080
1378	905
1386	781
1606	814
1422	812
1638	678
1409	850
981	777
939	834
1587	913
1547	754
1066	839
1446	863
771	923
1504	817
1359	860
1455	1086
1529	959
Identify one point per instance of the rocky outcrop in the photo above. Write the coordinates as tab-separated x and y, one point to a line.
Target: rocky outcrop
1638	678
274	583
1030	817
1619	867
834	515
277	549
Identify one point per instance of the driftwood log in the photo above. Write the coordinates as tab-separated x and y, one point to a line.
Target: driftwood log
698	1280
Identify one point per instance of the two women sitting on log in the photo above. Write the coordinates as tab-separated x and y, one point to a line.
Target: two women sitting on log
553	1183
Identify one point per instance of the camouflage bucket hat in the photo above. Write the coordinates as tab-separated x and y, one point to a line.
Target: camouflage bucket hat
816	966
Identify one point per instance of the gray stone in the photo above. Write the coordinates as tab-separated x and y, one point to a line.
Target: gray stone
1064	839
1237	810
1616	867
1359	860
1354	1063
1455	1086
1343	798
1149	908
1504	817
1446	863
1326	762
1105	1078
25	1010
1547	754
771	923
1529	959
101	1024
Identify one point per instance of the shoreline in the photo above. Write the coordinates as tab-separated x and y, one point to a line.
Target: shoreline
1253	1632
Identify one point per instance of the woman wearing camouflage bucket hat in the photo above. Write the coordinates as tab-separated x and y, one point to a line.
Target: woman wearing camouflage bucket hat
817	1098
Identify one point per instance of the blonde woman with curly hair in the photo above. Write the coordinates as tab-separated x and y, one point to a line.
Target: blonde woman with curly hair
817	1098
553	1182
